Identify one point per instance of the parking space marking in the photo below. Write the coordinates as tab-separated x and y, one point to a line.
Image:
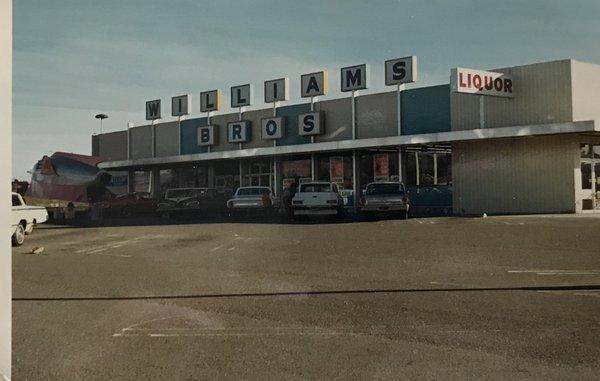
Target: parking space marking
556	272
216	248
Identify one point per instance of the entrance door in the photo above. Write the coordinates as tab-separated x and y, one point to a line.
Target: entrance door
589	192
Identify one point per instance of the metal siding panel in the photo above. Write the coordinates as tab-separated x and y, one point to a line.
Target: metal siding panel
338	119
425	110
376	115
542	94
291	124
586	87
141	142
514	176
167	139
112	145
189	136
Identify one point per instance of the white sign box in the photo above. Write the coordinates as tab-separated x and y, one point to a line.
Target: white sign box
153	109
272	128
277	90
239	132
354	78
401	70
481	82
210	100
310	124
241	96
181	105
314	84
207	135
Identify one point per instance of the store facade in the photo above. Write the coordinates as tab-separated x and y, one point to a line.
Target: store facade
522	139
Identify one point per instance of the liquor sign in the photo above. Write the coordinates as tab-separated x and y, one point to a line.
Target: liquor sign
239	132
272	128
481	82
314	84
181	105
153	109
354	78
207	135
277	90
210	100
310	124
401	70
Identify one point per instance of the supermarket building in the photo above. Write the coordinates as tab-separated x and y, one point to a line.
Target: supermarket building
515	140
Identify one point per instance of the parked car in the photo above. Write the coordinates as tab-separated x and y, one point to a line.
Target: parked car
24	219
130	204
317	198
385	197
247	199
206	200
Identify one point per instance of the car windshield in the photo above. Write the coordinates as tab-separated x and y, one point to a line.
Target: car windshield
178	193
385	189
315	188
252	191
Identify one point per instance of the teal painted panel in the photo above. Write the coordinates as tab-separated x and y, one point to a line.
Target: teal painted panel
291	124
426	110
189	136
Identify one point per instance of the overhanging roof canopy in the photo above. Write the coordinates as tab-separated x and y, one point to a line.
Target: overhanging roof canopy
390	141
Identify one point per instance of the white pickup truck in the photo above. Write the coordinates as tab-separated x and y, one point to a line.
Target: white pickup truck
317	198
24	218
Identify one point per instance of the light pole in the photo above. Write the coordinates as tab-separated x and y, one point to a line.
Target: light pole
101	117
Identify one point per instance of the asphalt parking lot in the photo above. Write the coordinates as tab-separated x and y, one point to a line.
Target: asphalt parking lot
431	298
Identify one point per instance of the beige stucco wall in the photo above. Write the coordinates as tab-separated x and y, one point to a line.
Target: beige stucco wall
542	94
586	91
516	175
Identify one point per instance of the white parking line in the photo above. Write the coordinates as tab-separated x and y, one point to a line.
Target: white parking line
556	272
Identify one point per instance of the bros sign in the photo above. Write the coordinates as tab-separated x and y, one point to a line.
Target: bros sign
272	128
309	124
481	82
207	135
239	132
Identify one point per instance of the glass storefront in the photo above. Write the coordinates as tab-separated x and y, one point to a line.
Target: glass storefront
424	167
258	173
589	192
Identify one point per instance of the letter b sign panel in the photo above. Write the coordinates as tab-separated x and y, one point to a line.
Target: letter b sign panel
272	128
309	124
206	135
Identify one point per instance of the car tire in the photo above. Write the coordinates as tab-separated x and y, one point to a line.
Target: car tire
18	236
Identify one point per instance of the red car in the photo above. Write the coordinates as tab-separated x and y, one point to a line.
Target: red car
130	204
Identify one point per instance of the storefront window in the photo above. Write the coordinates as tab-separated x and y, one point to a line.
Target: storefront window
427	168
258	173
142	181
444	168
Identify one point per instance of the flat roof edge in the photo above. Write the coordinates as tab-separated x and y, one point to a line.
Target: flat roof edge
390	141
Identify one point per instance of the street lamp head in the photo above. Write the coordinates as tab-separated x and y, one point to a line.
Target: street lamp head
101	116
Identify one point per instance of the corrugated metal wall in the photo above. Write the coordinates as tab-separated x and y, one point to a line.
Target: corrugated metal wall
141	142
542	94
376	115
586	88
338	119
167	139
111	146
517	175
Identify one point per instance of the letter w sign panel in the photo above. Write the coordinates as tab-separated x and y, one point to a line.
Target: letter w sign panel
153	109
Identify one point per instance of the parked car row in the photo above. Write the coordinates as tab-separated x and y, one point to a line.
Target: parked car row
24	219
318	198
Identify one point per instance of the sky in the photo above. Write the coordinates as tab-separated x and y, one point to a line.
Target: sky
75	59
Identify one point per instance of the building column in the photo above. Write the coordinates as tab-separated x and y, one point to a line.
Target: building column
211	175
275	176
155	183
400	166
130	181
355	179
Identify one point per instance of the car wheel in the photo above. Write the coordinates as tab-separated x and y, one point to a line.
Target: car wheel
29	229
18	236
